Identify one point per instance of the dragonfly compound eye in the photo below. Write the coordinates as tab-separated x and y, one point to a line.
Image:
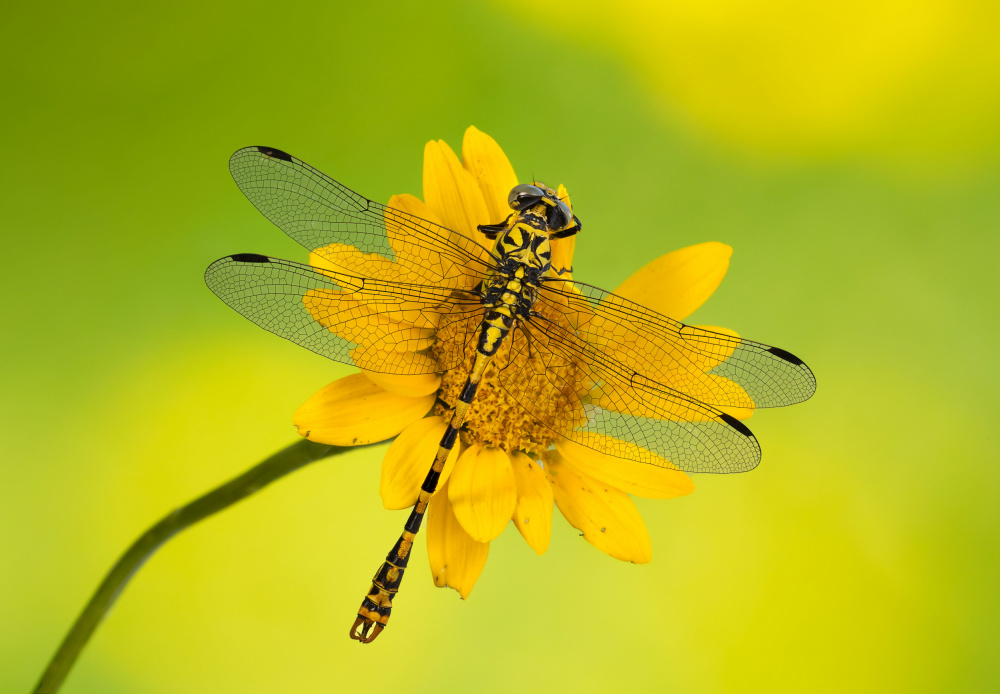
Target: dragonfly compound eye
523	196
559	217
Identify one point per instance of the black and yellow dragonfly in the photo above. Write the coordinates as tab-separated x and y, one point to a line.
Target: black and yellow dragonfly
392	293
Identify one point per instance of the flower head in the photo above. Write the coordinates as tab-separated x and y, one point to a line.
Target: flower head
509	464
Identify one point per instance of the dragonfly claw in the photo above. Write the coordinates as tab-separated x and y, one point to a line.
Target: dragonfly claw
374	611
366	624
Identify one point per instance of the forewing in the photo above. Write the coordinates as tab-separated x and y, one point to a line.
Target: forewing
579	392
320	213
377	325
715	368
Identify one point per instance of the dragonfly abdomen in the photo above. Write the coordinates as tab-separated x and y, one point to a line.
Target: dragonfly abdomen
494	329
508	297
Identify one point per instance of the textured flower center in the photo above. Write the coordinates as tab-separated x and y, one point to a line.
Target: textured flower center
528	370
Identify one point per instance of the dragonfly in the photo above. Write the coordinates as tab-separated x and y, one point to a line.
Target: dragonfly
393	293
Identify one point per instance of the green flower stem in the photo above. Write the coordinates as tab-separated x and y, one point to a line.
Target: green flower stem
285	462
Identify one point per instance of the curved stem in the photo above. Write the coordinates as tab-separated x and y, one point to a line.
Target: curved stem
284	462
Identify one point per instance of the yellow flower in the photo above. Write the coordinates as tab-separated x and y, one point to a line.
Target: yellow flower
504	467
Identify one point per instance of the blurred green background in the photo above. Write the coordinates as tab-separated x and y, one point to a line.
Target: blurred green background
851	156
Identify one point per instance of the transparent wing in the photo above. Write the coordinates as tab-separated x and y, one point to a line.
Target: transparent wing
350	230
715	368
580	392
378	325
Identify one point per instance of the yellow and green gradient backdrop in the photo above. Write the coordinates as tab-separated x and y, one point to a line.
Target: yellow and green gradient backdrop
851	157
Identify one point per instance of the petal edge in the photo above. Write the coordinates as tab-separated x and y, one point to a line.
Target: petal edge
677	283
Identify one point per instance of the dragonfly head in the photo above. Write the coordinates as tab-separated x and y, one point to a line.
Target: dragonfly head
525	196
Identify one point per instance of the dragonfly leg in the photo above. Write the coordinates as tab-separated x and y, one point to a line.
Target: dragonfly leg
568	231
493	230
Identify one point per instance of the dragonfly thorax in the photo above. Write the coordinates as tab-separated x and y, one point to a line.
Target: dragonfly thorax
508	294
525	244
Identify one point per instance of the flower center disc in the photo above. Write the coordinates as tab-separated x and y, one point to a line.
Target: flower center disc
524	370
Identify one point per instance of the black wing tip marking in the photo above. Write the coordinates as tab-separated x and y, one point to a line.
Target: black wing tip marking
787	356
250	258
736	424
274	153
753	461
804	368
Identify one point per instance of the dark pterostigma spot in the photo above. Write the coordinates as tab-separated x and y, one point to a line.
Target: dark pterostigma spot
736	424
275	153
250	258
787	356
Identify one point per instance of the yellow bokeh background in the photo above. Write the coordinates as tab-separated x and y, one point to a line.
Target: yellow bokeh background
916	83
849	155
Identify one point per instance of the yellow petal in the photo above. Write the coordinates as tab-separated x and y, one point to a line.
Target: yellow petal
712	354
677	283
352	273
617	448
680	362
710	350
341	258
482	491
562	249
456	559
606	516
407	386
649	403
405	362
353	411
639	479
416	266
647	399
533	513
398	233
412	205
483	158
377	333
452	192
737	412
408	460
